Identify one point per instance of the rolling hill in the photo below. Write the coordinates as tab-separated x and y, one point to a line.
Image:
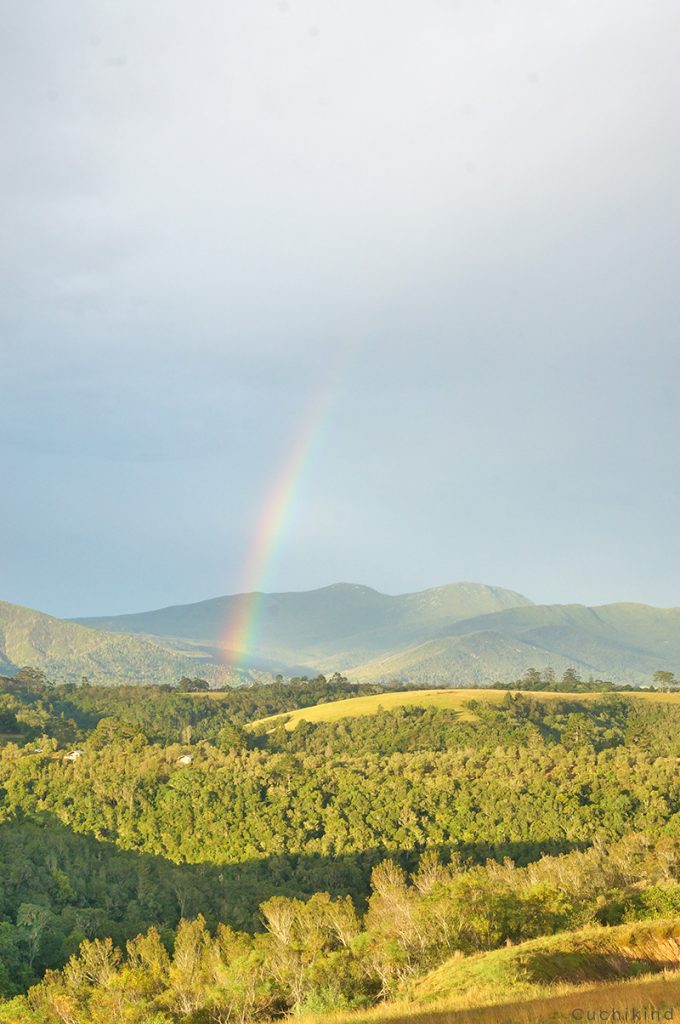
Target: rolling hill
449	699
623	642
344	623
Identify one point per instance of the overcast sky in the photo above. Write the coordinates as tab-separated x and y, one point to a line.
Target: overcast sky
460	216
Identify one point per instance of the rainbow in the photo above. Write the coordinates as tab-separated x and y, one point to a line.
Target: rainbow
241	629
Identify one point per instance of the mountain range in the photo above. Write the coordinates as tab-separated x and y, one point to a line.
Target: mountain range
453	635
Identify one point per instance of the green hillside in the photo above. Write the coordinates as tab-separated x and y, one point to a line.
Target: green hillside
458	635
623	642
480	657
545	979
461	634
66	652
634	628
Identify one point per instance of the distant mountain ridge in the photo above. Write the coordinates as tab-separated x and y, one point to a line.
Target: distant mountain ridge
326	622
457	634
467	632
341	625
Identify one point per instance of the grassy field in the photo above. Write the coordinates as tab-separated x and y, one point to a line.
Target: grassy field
564	1005
545	980
455	700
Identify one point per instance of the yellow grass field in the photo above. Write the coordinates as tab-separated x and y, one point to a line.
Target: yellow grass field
513	985
565	1004
455	700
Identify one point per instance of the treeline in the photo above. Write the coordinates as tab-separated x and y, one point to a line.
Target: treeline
30	707
320	954
570	682
162	715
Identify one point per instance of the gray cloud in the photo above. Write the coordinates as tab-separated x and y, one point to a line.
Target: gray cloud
205	208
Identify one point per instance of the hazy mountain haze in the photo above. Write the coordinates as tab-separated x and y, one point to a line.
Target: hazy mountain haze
455	635
322	623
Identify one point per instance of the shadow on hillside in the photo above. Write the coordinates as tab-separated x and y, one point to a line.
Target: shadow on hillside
43	861
89	888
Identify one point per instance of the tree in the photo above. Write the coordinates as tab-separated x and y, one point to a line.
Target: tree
188	974
666	680
189	685
571	678
32	919
32	679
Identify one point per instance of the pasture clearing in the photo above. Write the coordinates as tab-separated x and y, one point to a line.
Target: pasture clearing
451	699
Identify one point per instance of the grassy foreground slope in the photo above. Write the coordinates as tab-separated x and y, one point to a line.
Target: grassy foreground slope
452	700
545	979
592	955
653	997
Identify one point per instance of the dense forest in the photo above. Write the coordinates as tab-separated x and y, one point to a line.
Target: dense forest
31	706
160	858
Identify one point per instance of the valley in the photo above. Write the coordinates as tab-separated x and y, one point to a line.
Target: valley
314	849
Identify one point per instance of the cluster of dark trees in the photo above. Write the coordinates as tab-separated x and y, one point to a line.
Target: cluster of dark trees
30	707
572	682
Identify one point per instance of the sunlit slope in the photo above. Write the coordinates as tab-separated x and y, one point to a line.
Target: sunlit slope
66	652
359	707
451	699
482	656
593	954
343	624
623	642
545	979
